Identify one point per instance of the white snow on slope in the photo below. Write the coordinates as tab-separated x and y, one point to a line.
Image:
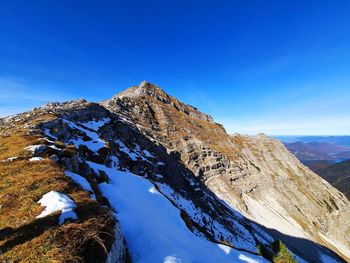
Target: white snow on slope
153	228
10	159
136	153
54	201
34	159
82	182
48	133
203	219
243	241
126	150
95	125
327	259
148	154
94	144
34	148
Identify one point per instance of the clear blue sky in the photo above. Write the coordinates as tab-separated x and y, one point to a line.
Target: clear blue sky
279	67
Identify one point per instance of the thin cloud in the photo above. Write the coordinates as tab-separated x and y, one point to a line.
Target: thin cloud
17	96
14	90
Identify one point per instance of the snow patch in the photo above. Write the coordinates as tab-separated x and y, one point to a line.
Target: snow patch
81	181
247	259
158	176
115	161
326	259
153	190
54	201
48	133
10	159
136	153
225	248
94	144
244	241
148	154
95	125
54	147
35	149
34	159
123	148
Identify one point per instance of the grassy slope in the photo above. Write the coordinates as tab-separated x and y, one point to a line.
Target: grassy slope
23	238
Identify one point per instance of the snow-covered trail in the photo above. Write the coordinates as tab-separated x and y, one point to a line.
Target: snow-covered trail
153	228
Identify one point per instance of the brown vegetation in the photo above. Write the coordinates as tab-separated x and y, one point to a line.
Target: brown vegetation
23	237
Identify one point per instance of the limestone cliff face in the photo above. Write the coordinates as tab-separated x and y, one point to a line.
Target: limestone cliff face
256	175
291	197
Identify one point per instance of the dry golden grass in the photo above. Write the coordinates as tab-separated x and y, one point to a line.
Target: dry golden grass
42	117
28	239
11	146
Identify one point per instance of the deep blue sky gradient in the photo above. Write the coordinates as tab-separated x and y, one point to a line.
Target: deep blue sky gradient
280	67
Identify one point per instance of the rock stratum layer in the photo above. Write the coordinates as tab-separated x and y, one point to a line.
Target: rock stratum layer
221	197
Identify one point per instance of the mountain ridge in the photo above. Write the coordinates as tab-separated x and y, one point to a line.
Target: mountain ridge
222	178
223	149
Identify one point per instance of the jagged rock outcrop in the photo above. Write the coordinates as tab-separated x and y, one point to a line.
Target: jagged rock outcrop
256	175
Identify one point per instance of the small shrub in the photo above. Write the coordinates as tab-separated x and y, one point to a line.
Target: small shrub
281	254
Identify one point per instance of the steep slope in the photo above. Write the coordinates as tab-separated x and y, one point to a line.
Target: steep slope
103	155
45	216
292	198
255	175
338	175
146	178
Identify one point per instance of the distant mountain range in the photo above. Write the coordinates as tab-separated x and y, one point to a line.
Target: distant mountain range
318	151
343	140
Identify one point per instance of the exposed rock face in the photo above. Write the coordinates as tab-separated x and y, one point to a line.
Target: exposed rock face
195	164
255	175
292	198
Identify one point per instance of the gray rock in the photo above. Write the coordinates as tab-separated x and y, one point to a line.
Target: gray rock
54	158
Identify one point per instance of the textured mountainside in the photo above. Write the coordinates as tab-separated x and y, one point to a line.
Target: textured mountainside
255	175
338	175
172	183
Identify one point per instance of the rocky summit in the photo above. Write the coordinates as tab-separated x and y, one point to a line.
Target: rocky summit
143	177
